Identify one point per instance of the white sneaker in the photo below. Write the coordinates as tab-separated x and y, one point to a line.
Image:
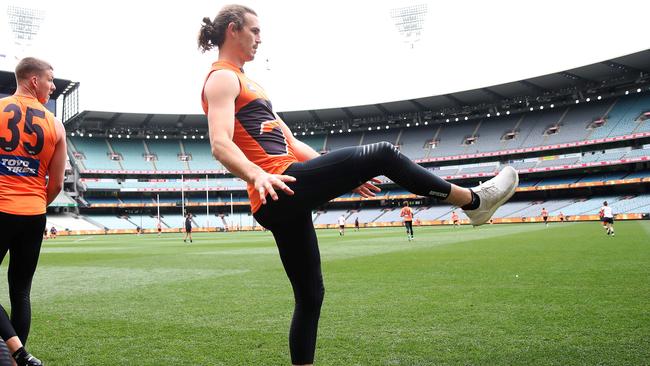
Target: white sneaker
493	193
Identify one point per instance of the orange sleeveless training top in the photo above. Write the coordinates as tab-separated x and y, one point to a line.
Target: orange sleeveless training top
257	132
407	214
27	140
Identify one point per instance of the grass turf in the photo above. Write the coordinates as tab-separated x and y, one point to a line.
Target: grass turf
503	294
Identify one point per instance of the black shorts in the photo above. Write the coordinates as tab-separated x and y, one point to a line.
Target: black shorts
188	229
608	220
545	218
455	221
341	226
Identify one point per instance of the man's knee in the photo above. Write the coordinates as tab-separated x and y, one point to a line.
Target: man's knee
384	149
313	299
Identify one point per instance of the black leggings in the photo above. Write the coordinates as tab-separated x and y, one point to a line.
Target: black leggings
22	237
409	228
289	219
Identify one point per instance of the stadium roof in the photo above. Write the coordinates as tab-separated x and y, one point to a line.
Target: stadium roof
606	77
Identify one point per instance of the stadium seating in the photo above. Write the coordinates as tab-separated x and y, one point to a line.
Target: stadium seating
201	155
96	152
167	153
132	152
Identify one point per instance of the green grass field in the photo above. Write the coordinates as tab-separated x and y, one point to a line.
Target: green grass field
495	295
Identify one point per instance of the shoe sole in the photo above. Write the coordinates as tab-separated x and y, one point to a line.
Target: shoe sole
503	200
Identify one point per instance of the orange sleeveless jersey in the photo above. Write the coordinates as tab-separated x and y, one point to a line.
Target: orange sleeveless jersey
27	140
257	131
544	213
407	214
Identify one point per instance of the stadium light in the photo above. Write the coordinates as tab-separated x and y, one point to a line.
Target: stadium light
456	119
627	92
378	128
588	99
156	137
311	133
193	137
541	107
531	109
110	136
349	130
202	137
369	128
331	131
498	114
408	125
387	127
577	101
426	123
90	135
185	137
466	118
340	131
447	119
599	97
148	137
72	134
638	90
417	124
165	137
128	136
552	105
508	112
488	115
81	134
119	136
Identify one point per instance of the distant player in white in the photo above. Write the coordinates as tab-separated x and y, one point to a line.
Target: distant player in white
341	225
608	218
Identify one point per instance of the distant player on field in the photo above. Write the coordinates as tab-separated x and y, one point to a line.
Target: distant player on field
356	223
608	218
545	216
188	227
32	147
53	232
561	216
454	219
407	215
342	225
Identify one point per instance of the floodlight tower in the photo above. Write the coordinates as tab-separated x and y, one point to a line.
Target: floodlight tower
409	21
25	24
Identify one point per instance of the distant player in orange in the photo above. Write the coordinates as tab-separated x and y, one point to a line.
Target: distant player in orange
454	219
407	215
561	216
286	178
545	216
159	227
32	146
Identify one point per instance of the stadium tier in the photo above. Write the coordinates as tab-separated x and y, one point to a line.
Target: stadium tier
573	124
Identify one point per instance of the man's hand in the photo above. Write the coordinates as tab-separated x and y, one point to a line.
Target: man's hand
368	189
266	183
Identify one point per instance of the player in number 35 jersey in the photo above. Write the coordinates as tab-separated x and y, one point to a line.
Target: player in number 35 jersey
32	165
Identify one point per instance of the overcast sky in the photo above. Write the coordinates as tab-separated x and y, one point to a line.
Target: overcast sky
141	56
